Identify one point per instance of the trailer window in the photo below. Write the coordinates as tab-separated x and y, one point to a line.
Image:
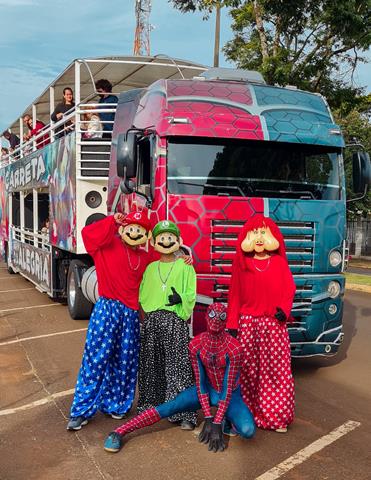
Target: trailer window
253	169
28	211
16	210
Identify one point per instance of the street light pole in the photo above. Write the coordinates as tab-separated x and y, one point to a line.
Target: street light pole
217	35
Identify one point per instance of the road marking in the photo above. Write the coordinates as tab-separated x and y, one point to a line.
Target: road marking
36	403
308	451
26	339
17	290
28	308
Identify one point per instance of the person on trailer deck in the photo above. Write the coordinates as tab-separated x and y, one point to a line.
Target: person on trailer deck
259	304
63	107
216	360
34	130
12	139
108	373
104	89
167	296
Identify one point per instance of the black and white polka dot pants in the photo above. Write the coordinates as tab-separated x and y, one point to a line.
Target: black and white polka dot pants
164	366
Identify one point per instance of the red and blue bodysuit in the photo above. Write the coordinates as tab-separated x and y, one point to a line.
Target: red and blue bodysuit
216	360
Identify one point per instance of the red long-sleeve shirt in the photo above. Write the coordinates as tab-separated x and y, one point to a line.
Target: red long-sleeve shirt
119	267
259	287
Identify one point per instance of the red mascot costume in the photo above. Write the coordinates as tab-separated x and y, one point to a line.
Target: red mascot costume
260	301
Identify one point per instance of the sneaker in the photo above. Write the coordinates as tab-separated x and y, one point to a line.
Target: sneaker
117	416
113	442
281	430
187	425
76	423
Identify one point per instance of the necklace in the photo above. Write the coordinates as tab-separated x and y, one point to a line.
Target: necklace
130	265
261	269
163	286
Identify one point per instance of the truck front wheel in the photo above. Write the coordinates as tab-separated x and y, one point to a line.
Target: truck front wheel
79	307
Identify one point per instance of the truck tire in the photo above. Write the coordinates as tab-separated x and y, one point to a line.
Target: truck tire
79	307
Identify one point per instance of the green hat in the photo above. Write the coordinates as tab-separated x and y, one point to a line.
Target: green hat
165	226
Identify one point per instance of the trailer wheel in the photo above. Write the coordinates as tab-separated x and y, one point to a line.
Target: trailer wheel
79	307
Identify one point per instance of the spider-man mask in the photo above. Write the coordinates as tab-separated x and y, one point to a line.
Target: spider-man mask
216	317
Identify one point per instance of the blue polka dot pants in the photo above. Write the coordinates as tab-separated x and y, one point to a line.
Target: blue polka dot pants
108	373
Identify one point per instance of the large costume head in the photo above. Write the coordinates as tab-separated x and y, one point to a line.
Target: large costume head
136	229
166	237
216	318
260	234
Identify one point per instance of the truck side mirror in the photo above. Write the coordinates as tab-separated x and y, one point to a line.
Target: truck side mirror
361	171
127	154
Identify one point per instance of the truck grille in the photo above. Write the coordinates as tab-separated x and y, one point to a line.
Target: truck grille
299	241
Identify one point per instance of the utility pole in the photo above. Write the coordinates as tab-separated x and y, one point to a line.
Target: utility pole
217	35
143	28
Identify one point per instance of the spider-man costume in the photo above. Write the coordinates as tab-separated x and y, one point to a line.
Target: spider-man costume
216	360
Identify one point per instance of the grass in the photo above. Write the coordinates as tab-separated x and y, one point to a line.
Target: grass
359	279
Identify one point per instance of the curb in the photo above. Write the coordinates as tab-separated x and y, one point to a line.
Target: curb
358	287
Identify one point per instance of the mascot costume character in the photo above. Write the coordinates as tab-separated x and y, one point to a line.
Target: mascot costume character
107	376
216	360
259	305
167	296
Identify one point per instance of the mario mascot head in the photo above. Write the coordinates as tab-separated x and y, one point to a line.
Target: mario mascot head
166	237
135	229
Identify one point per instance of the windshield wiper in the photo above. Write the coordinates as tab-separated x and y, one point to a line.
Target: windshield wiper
225	187
304	194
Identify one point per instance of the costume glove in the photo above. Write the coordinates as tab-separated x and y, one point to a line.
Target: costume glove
204	435
174	299
233	332
280	315
216	441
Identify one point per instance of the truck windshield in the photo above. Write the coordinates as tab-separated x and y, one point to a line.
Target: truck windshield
254	169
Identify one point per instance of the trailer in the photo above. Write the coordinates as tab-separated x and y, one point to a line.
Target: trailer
57	182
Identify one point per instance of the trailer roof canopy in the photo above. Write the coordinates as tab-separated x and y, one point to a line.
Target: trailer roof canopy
124	73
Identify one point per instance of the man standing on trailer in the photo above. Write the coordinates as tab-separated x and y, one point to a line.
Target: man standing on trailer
104	89
108	373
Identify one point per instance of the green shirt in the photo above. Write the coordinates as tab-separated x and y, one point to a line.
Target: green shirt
156	285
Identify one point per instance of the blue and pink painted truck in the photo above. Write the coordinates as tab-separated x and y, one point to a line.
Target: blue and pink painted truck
207	149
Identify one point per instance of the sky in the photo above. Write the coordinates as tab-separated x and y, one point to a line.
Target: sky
40	38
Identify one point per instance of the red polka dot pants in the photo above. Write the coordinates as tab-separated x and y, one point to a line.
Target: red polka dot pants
267	384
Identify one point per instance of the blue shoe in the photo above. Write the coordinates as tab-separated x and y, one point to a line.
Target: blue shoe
228	429
113	442
76	423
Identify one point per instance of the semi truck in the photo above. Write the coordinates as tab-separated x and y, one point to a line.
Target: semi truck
206	148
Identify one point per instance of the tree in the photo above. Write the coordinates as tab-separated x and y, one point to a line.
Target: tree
356	128
313	44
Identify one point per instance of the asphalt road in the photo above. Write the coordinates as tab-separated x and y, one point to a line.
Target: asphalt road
40	353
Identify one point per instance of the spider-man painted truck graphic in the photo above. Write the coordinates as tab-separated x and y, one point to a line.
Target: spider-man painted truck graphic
210	152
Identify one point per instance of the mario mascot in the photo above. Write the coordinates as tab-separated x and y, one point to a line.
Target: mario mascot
107	376
167	297
216	360
259	305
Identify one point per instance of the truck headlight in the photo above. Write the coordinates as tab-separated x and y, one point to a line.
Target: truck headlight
335	258
334	289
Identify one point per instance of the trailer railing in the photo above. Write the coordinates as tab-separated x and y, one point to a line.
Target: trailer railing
92	154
